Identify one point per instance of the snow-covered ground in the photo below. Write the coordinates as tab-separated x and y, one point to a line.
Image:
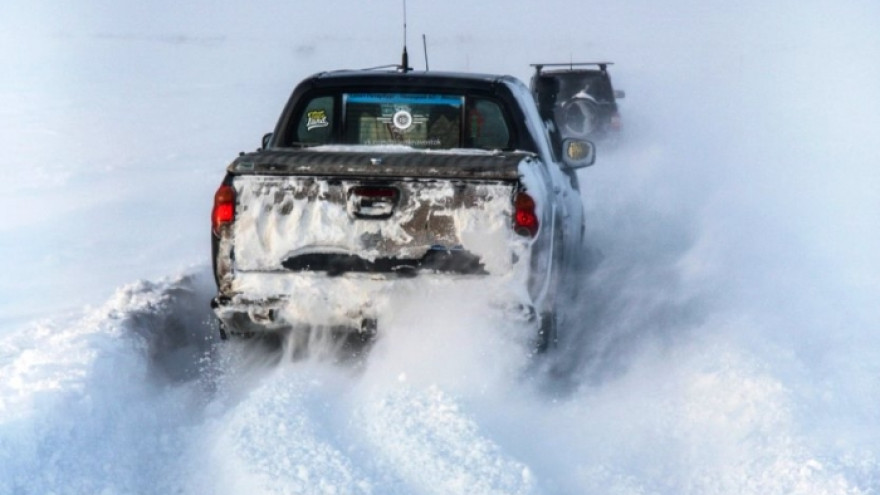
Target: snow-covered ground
730	343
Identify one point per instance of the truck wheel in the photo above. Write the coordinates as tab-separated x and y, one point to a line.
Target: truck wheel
227	332
547	332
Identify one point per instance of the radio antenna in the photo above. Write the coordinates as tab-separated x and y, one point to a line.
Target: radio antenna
425	44
405	62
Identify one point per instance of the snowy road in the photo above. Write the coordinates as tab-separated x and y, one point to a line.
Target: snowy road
729	342
135	398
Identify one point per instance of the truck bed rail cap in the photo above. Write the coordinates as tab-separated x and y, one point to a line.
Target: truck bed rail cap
383	162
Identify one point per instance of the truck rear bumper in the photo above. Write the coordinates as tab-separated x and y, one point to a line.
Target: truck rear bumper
273	302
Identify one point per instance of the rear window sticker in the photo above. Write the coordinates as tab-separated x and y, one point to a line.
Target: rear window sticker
317	119
402	120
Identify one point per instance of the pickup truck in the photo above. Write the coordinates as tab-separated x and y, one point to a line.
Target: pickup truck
374	180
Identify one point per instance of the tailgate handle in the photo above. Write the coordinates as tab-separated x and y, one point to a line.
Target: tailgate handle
372	201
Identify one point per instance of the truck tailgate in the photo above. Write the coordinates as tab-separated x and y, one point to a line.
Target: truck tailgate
387	225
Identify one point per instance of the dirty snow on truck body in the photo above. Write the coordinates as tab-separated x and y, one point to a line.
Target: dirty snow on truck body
282	220
281	217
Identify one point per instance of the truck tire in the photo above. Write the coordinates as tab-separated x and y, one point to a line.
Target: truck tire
547	332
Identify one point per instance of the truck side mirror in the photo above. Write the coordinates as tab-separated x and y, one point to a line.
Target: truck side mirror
619	94
577	153
267	138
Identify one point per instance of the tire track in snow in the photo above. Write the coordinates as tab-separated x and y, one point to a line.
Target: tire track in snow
279	438
425	438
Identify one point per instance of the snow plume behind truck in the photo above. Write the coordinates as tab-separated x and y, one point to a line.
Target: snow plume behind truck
376	182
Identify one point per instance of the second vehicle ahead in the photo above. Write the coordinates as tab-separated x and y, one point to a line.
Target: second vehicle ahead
578	98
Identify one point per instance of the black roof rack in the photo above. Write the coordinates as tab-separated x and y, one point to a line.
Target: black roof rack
603	66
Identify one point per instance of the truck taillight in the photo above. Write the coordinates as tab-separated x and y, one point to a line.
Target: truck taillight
224	208
525	220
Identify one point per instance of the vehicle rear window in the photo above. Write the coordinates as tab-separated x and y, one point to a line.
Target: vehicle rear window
594	84
417	120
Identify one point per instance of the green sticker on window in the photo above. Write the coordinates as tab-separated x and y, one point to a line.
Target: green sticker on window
317	119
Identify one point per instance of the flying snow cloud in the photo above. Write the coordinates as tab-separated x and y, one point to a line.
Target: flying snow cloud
726	344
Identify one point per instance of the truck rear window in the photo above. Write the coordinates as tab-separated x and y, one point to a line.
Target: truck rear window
417	120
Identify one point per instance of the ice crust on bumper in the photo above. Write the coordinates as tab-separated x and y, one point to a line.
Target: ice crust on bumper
280	300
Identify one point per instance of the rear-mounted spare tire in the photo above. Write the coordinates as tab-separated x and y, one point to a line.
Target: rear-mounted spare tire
578	118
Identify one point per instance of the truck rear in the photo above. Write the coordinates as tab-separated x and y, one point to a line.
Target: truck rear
373	185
